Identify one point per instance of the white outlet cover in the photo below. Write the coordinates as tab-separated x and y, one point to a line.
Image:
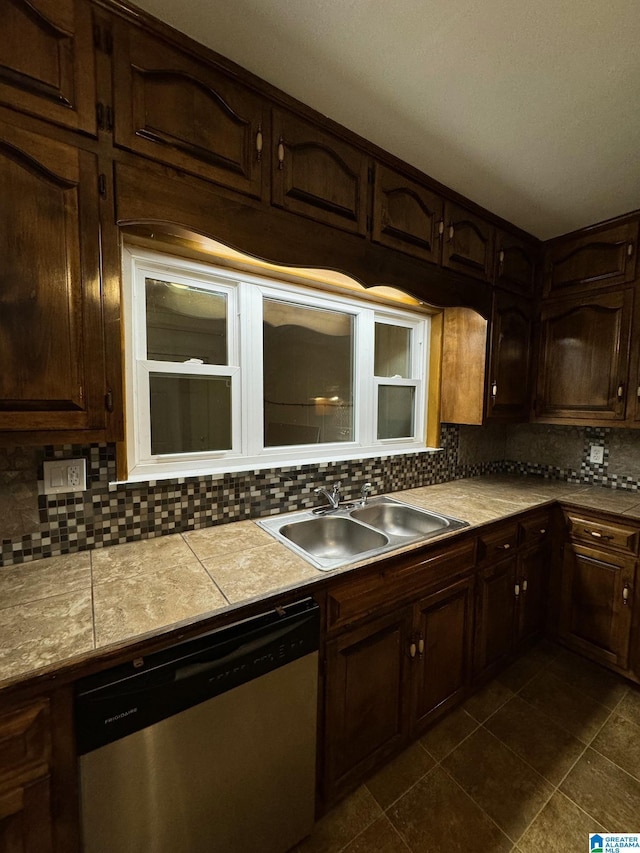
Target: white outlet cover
62	476
597	454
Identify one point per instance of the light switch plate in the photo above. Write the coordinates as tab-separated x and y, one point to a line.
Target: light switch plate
65	475
597	454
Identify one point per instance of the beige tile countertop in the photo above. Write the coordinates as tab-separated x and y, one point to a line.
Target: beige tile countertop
55	610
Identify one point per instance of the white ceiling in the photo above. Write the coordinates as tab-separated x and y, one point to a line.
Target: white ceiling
529	107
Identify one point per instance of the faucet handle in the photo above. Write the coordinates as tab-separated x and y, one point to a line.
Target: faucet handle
364	491
337	486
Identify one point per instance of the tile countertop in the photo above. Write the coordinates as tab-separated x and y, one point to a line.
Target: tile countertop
55	610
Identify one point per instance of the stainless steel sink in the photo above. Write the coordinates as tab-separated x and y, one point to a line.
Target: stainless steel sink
401	520
355	532
333	537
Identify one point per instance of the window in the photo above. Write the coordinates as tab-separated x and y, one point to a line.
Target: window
230	371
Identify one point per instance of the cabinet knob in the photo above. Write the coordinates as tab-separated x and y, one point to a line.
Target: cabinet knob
420	646
280	153
516	590
629	248
501	259
525	584
625	593
596	534
494	389
451	232
505	547
441	228
543	530
620	391
412	650
259	143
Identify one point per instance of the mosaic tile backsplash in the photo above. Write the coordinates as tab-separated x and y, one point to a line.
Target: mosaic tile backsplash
33	525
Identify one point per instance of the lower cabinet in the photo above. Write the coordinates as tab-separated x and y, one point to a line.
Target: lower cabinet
26	821
599	567
387	678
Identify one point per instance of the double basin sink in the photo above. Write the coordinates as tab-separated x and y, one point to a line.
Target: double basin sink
356	532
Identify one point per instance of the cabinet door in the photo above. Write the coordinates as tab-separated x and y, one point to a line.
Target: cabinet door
584	354
468	243
495	613
515	263
171	107
441	666
26	819
51	337
596	603
406	215
508	387
366	699
533	583
317	175
47	64
599	259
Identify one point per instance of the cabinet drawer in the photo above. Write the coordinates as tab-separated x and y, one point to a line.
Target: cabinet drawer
362	596
604	534
535	529
25	739
497	543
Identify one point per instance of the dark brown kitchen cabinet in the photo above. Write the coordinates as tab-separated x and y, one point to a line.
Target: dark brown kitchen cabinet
26	820
406	215
51	335
468	243
596	607
47	65
601	257
495	616
317	175
366	699
507	388
532	577
584	357
441	653
175	108
597	587
515	263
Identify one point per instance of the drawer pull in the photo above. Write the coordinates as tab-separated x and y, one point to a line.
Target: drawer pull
412	650
596	534
525	584
280	153
516	590
259	143
543	530
421	646
625	593
505	547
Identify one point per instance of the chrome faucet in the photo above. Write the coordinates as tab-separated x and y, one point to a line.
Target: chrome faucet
333	497
364	492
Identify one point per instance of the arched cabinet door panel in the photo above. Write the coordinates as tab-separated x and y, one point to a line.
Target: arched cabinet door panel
406	215
47	66
509	359
172	107
584	357
468	243
51	341
318	175
602	258
515	263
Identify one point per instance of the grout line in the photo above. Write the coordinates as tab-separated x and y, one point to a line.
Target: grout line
469	797
208	573
93	604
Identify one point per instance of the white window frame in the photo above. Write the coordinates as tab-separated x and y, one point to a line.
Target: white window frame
245	292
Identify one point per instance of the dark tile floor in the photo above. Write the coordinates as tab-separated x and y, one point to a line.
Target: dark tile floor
544	755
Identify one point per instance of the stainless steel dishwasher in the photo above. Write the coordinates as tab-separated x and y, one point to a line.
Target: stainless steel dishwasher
207	747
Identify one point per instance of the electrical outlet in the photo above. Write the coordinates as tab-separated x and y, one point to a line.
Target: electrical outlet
65	475
597	454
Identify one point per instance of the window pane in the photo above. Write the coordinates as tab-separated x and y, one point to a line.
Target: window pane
395	411
308	375
190	413
185	322
392	351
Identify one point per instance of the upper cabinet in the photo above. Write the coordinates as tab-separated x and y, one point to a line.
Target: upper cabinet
315	174
468	243
509	358
601	258
51	337
584	357
47	66
172	107
406	215
515	263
